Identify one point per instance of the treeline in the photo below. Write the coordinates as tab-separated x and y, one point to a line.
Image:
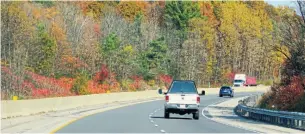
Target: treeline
94	47
289	93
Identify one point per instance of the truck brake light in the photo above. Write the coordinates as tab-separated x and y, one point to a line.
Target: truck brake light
198	99
166	98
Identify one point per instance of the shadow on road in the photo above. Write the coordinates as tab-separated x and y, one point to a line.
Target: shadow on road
181	118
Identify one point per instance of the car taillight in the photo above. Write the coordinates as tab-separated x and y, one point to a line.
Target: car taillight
166	98
198	99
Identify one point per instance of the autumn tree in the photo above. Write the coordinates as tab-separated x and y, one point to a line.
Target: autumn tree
44	58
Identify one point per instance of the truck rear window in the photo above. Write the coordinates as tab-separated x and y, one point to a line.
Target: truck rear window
238	81
186	87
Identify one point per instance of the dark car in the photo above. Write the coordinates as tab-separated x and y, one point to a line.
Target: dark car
226	91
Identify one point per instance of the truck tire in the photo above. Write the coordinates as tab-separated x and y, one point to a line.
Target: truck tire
166	114
196	115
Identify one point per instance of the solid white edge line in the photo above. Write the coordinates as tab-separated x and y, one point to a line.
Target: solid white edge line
202	112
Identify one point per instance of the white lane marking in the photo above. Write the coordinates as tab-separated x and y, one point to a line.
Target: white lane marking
156	125
151	121
162	131
204	109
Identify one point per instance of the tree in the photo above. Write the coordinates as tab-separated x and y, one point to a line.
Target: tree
180	12
154	60
129	10
17	36
43	61
206	33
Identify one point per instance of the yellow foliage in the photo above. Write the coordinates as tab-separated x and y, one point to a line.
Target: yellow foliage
130	9
57	32
128	49
277	56
207	34
151	83
207	9
36	13
237	18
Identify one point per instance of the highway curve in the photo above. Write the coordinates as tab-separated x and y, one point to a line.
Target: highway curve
148	118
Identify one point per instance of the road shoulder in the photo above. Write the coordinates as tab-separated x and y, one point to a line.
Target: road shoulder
52	121
224	113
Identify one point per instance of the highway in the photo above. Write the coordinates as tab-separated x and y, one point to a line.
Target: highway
148	118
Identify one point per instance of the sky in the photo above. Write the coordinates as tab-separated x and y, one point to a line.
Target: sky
281	2
290	3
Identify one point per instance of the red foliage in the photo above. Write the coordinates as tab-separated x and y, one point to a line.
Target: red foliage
71	63
136	82
95	88
114	85
28	85
97	29
102	74
288	95
166	79
230	76
40	92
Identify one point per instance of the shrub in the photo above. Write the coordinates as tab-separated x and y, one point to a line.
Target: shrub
165	80
266	100
151	83
300	106
80	85
95	88
285	97
288	96
125	84
144	85
102	75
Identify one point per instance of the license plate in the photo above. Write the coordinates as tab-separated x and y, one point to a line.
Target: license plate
182	106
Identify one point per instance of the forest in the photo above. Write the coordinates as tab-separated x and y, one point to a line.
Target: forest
53	49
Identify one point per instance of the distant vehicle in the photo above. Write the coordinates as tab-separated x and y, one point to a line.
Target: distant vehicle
182	98
243	80
226	91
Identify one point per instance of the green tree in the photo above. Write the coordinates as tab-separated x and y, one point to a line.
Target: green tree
108	49
154	60
46	50
180	12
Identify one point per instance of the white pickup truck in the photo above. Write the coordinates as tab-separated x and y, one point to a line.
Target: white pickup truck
182	98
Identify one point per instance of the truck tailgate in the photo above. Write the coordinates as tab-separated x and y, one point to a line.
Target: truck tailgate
183	98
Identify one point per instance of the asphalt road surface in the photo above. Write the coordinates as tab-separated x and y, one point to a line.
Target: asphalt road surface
149	118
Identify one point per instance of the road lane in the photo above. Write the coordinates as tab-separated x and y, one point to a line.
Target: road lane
148	118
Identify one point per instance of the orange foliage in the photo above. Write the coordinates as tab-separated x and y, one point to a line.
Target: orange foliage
206	9
36	13
72	63
130	9
57	32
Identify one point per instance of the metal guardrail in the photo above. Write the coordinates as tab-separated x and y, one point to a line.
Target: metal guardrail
246	108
